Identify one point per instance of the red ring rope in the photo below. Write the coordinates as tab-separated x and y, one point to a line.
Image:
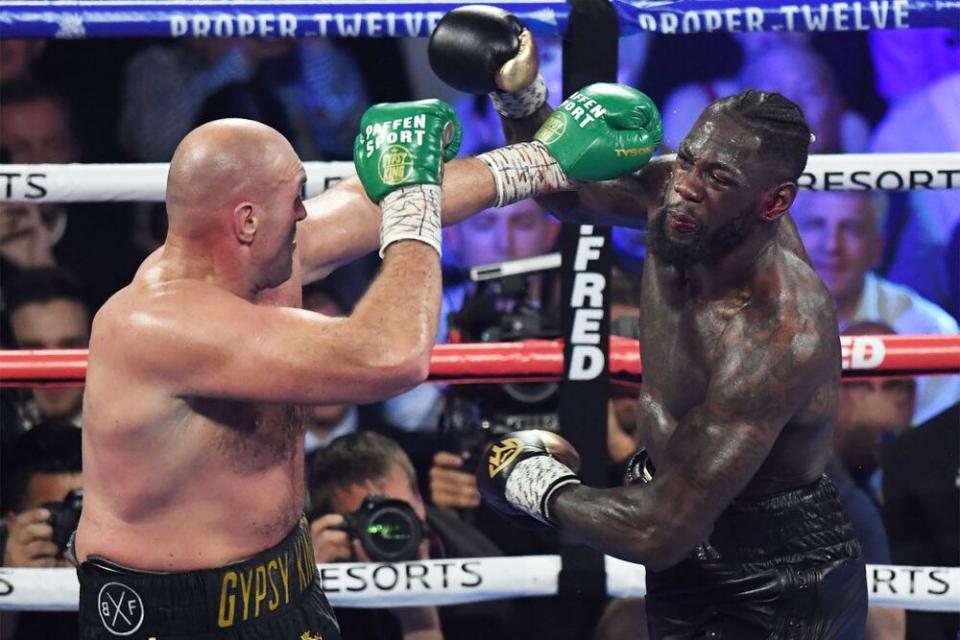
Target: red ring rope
542	360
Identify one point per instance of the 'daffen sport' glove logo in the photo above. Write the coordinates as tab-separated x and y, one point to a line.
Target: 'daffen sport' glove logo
502	454
396	165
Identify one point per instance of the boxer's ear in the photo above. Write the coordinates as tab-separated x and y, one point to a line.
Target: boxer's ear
245	222
777	201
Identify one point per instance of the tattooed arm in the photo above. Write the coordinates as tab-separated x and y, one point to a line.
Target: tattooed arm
623	202
761	378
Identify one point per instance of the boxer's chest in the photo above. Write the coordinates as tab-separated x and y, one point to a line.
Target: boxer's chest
680	343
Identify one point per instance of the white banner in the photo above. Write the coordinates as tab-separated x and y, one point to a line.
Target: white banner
458	581
146	182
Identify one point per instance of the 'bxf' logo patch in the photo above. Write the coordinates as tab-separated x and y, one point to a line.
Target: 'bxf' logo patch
503	454
121	609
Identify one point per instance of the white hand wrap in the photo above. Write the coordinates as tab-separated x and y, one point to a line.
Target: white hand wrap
411	213
523	103
524	170
533	481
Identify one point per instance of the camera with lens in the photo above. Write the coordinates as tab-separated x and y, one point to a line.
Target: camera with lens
64	517
476	414
388	529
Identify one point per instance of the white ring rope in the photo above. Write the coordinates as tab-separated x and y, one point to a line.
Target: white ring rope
146	182
458	581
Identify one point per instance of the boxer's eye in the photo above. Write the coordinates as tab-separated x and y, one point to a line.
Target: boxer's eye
720	180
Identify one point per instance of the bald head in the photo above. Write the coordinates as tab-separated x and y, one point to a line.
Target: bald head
221	163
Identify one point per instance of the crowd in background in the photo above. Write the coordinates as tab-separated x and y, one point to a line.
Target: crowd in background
890	260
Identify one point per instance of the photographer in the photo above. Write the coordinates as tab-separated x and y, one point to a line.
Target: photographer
41	510
452	481
343	477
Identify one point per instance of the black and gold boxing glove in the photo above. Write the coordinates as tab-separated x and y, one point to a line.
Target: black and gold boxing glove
519	474
481	49
478	49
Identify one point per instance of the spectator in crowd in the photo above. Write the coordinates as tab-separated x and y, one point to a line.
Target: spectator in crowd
37	125
906	61
783	63
807	78
921	230
872	411
91	240
17	59
921	491
26	238
47	310
842	231
364	463
43	467
685	103
309	90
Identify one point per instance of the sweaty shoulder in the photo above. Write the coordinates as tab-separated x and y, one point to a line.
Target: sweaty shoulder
154	326
807	311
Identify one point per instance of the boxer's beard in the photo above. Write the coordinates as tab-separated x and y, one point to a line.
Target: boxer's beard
683	255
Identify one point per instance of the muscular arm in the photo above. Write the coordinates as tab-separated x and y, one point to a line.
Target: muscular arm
199	341
622	202
342	223
764	373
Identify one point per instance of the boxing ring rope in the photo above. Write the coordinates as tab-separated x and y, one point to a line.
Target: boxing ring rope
145	182
454	581
463	580
542	361
320	18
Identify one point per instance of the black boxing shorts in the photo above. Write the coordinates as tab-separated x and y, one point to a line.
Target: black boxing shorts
785	566
275	594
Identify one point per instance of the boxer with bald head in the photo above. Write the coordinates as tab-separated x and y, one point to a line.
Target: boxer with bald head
193	432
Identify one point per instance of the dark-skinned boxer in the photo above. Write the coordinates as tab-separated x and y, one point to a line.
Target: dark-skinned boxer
742	534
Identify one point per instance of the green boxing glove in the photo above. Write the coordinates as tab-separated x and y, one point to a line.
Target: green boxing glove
399	156
602	132
405	143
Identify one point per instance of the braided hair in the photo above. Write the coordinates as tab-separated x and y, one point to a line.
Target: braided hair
778	122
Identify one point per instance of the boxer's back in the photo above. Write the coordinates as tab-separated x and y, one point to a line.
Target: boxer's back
175	481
